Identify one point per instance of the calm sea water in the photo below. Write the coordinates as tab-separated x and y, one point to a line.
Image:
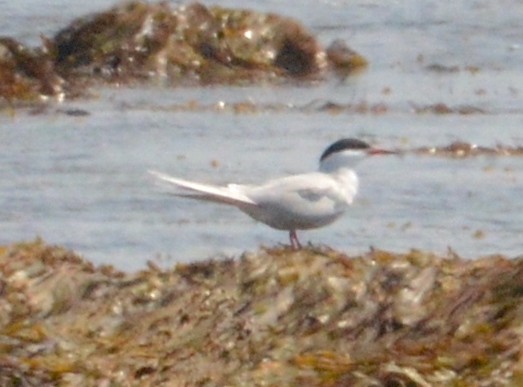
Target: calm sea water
82	181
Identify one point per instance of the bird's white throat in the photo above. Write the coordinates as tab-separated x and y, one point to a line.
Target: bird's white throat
341	160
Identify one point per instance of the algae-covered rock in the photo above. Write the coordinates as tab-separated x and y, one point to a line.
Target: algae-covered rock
191	45
26	74
274	317
191	42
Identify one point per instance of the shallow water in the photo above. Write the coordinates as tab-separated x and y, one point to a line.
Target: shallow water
82	181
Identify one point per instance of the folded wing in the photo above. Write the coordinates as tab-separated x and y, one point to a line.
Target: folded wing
298	202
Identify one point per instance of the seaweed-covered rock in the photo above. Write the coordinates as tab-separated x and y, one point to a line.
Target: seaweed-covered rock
275	317
343	59
26	74
192	42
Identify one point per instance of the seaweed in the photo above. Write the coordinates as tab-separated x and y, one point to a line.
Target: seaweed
138	42
272	317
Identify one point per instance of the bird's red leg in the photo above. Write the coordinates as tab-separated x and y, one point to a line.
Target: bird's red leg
295	243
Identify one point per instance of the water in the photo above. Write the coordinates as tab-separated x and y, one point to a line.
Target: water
82	181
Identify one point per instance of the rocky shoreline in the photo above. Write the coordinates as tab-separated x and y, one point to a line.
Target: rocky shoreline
272	317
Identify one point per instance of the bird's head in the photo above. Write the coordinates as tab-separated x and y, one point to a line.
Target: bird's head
346	153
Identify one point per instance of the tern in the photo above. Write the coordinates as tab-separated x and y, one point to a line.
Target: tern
296	202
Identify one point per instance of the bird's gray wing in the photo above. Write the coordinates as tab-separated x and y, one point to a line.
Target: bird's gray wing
307	193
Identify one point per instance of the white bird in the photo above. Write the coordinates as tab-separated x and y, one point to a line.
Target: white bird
296	202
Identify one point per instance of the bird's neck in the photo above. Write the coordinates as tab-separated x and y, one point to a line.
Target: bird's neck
338	163
347	180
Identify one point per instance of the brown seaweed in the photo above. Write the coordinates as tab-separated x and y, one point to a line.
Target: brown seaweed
461	149
273	317
190	45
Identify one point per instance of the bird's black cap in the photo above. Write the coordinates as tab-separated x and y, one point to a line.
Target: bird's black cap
344	144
